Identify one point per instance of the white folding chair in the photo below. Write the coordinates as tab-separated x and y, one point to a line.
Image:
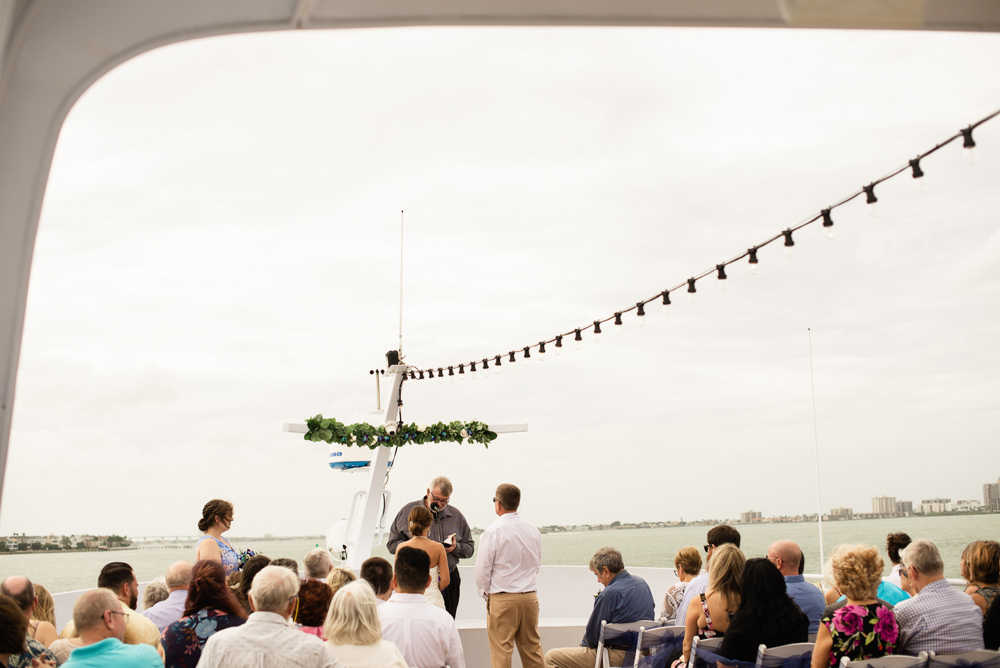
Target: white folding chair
656	640
890	661
984	658
615	631
707	644
775	656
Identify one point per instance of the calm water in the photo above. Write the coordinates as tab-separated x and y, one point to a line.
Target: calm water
640	547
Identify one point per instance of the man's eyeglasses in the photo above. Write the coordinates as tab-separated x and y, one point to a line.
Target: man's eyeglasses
123	614
435	497
706	548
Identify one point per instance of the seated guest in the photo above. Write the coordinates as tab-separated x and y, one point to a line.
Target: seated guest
864	627
717	537
938	619
425	634
983	563
625	598
120	579
254	565
101	621
169	610
45	611
709	617
155	592
210	606
687	566
354	632
266	640
13	630
314	601
23	592
894	543
20	591
318	564
767	614
285	562
340	576
786	556
991	626
377	572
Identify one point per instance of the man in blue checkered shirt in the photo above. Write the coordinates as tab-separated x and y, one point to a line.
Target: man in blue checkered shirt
939	618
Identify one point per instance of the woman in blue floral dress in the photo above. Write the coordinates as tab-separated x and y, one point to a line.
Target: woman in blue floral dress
211	607
864	627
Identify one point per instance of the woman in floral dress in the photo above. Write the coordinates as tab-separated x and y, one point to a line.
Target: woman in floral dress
211	607
863	628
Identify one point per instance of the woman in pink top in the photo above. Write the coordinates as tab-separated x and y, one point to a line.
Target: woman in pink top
314	600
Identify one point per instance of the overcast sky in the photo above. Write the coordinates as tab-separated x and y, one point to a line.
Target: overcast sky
219	254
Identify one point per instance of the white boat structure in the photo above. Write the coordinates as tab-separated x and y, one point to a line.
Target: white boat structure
52	51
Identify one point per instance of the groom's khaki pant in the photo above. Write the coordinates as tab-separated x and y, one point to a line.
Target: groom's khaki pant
513	618
580	657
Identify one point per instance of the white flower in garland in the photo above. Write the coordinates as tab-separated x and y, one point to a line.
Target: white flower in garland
464	434
421	428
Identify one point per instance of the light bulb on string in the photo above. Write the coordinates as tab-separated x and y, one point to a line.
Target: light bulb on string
451	374
496	365
918	174
752	252
969	145
486	368
871	199
618	323
597	331
691	290
666	302
721	271
472	368
541	351
579	339
527	356
461	372
559	345
640	313
789	244
440	376
512	358
828	224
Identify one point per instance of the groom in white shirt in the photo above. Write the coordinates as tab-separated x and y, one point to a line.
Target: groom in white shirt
510	555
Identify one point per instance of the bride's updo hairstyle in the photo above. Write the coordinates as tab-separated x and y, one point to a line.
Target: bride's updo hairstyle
214	508
420	520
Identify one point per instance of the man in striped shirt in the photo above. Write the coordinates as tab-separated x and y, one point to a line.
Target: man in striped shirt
940	618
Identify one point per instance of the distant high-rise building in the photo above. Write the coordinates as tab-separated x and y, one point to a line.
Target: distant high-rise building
934	506
991	495
904	507
884	505
749	516
842	513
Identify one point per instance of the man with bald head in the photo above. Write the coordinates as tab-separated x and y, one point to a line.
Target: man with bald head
99	618
165	613
787	556
22	591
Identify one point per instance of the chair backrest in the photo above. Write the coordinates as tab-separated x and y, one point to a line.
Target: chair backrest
667	639
979	658
612	632
707	644
890	661
775	657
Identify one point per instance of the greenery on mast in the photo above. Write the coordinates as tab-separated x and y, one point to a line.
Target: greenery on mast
329	430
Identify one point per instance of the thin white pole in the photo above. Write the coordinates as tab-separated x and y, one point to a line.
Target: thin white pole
400	286
819	503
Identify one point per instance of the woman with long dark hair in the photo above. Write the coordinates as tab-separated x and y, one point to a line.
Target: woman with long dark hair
211	606
767	615
253	565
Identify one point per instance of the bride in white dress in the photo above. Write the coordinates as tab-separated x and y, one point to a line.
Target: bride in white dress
420	520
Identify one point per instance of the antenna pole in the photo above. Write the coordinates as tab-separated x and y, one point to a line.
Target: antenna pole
400	285
819	504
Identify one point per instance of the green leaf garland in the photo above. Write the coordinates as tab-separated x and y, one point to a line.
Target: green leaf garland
329	430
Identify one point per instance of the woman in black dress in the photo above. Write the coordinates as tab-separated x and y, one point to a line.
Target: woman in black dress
766	616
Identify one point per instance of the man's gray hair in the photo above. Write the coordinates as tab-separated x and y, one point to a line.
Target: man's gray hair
318	563
178	574
273	588
923	555
89	609
154	592
443	483
607	557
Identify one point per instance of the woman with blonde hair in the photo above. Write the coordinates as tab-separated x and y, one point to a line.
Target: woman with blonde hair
353	631
338	577
45	611
710	619
420	523
982	561
863	628
687	565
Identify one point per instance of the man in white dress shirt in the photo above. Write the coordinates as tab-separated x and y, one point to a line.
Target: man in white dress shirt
425	634
266	640
510	555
